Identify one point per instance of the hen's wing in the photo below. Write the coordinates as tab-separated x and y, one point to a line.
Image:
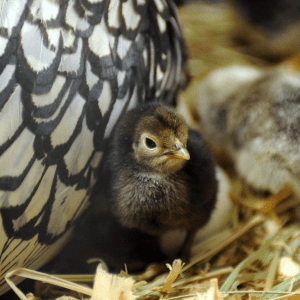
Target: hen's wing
68	70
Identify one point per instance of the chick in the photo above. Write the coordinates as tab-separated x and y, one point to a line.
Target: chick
251	117
161	174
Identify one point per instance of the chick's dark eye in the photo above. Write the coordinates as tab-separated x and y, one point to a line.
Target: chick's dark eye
150	144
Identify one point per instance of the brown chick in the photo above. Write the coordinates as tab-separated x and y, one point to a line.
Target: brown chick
161	174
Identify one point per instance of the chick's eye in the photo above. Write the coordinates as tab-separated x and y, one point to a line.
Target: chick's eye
150	144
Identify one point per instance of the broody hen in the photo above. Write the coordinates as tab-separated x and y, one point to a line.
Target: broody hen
161	175
68	70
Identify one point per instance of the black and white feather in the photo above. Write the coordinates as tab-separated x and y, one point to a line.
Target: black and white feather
68	70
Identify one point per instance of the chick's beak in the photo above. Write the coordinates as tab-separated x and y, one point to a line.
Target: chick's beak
181	151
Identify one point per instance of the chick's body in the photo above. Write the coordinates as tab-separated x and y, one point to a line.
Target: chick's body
162	174
251	117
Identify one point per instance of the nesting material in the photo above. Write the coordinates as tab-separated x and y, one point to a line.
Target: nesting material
257	254
251	259
112	287
288	267
174	272
42	277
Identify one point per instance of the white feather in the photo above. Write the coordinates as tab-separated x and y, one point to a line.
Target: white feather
96	159
24	253
159	73
17	157
121	77
91	78
124	46
82	24
115	114
114	14
141	2
68	38
6	76
101	47
3	44
71	15
159	5
68	204
105	98
162	25
38	200
11	116
22	193
10	13
165	77
145	57
152	63
80	151
53	35
71	62
37	55
131	17
66	127
134	99
44	10
95	1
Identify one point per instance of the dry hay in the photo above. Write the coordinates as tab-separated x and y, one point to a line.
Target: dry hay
260	254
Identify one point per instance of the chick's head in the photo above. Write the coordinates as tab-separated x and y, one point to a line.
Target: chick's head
160	140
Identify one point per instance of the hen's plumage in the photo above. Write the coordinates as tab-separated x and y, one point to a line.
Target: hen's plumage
68	70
